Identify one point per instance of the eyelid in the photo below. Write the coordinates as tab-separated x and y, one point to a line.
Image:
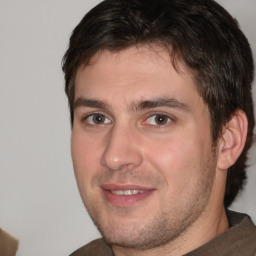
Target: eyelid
88	115
170	117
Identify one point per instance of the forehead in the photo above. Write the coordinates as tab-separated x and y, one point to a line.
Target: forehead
145	69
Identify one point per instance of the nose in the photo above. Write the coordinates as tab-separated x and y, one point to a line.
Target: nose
122	150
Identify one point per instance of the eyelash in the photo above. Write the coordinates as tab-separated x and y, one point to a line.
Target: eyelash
86	118
92	115
169	120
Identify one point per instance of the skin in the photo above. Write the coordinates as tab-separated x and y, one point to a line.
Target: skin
140	124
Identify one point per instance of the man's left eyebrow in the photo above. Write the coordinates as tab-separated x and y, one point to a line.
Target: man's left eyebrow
154	103
91	103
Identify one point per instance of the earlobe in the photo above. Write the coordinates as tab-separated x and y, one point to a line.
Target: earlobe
232	140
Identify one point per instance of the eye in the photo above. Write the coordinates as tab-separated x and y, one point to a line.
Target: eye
158	120
97	119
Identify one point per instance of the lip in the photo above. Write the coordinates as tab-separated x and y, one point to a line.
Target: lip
125	200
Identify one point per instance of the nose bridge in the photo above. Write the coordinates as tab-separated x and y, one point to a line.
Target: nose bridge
122	149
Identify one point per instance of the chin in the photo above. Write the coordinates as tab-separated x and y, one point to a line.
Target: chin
136	234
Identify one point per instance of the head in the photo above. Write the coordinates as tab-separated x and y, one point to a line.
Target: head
198	33
155	88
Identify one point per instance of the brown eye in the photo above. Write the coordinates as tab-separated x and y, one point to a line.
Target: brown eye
98	119
158	120
161	119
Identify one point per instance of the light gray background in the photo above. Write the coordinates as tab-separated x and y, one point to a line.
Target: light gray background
39	200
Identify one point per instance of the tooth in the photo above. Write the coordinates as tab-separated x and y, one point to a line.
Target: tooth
130	192
127	192
118	192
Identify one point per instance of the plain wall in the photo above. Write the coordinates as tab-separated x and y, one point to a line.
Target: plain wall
40	203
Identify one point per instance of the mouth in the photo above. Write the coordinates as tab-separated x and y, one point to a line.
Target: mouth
125	195
128	192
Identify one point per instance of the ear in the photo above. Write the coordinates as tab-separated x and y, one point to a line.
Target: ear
232	141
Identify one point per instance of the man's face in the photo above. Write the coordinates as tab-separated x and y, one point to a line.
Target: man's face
141	147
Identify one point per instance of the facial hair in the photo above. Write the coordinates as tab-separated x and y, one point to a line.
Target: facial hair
167	224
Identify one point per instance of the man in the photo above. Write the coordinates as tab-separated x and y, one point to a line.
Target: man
162	119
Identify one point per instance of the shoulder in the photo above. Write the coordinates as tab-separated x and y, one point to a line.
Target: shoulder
241	223
97	247
8	244
239	239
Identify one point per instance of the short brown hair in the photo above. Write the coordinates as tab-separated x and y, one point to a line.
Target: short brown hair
199	32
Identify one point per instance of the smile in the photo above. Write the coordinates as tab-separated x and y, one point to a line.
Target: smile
125	195
127	192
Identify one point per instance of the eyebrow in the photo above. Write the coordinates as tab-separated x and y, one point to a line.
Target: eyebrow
91	103
135	106
161	102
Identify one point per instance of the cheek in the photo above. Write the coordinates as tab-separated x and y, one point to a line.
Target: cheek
179	160
85	156
169	155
